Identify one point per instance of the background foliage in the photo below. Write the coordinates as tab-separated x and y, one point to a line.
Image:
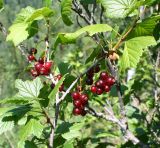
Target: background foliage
22	122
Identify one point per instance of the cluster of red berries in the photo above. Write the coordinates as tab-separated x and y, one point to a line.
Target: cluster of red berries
41	67
61	88
90	74
79	101
104	84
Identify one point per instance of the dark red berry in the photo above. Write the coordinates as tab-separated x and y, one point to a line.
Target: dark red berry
61	88
84	99
48	65
41	60
89	81
83	112
75	95
59	76
107	88
77	103
44	71
38	67
77	111
109	81
97	69
33	51
34	73
99	91
93	89
52	85
31	57
100	83
103	75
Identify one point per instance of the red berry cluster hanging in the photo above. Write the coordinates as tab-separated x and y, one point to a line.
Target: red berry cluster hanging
41	67
90	74
61	88
104	84
79	101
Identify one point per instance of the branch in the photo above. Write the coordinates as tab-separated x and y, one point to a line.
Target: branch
112	118
125	35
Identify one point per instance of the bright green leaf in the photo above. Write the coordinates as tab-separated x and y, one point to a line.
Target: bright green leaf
90	30
29	89
6	126
118	8
22	27
71	135
18	33
66	10
133	50
68	144
33	127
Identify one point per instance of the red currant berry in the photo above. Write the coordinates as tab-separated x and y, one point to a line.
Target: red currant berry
41	60
77	111
34	73
100	83
93	89
48	65
61	88
97	69
89	81
43	71
75	95
109	81
38	67
107	88
77	103
31	57
99	91
33	51
103	75
84	99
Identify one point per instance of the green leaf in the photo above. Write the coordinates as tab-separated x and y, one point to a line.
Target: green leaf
1	4
71	135
133	50
53	93
39	14
92	55
18	33
33	127
68	144
29	89
30	144
145	28
68	38
6	126
66	10
22	27
15	100
118	8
